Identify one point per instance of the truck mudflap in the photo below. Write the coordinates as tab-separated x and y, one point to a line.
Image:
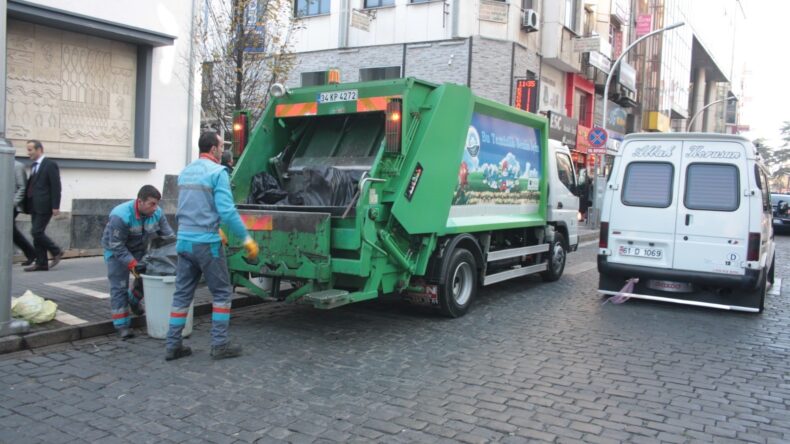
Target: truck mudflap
293	245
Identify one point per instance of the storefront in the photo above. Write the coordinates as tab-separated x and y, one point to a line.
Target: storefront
565	129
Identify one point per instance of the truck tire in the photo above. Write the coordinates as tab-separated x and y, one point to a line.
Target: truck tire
557	257
459	287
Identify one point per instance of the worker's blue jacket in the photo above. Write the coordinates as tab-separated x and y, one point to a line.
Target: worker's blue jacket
127	231
205	200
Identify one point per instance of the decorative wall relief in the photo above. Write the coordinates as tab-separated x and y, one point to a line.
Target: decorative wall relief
76	93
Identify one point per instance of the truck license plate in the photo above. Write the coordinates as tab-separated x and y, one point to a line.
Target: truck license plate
338	96
650	253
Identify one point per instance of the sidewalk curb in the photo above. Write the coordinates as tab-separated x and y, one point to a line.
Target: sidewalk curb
15	343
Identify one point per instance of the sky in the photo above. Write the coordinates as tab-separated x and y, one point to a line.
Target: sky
767	96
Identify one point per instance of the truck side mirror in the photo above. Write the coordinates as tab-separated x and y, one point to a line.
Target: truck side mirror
781	207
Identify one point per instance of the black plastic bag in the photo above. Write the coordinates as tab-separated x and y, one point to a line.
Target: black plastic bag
324	187
264	190
162	258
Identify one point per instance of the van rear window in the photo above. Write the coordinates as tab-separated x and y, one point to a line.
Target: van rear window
712	187
648	184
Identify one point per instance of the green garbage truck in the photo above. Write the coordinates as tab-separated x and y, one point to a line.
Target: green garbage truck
403	187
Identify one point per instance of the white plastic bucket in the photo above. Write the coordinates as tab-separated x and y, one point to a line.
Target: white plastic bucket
158	291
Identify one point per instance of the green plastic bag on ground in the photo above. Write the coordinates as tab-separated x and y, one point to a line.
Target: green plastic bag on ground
33	308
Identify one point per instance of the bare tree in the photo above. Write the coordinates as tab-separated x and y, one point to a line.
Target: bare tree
244	47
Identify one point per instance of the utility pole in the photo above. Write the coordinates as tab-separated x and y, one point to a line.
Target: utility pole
600	158
7	187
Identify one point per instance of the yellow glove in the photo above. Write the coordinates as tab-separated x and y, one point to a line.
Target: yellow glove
223	237
252	248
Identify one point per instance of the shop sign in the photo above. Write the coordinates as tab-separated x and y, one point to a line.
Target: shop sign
600	61
587	44
627	76
582	136
493	11
644	24
621	9
360	20
562	128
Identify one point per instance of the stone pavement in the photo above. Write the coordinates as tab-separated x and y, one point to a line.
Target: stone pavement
530	362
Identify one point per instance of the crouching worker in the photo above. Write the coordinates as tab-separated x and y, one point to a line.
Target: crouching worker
205	200
125	236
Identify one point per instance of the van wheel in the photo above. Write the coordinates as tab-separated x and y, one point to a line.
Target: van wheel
771	271
557	257
761	291
460	284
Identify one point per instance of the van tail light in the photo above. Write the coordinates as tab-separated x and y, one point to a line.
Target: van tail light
393	125
753	254
603	239
240	133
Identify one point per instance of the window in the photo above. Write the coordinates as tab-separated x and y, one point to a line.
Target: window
712	187
572	15
390	72
648	184
378	3
314	78
305	8
421	1
527	4
766	193
565	171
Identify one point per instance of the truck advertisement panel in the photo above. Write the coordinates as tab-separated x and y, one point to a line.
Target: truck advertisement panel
500	169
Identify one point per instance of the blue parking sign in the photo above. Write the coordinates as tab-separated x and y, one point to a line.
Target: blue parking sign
598	137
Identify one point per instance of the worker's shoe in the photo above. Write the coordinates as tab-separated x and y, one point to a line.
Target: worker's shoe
125	333
225	351
178	352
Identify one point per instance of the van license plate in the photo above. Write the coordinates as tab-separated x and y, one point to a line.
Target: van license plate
338	96
650	253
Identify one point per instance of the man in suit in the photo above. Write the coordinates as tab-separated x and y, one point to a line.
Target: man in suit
42	201
19	199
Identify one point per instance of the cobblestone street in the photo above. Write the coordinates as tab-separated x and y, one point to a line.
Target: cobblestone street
531	361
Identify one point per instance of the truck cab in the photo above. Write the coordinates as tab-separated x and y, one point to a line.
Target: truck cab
563	202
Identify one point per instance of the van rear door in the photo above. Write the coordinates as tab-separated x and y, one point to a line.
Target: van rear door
643	206
712	226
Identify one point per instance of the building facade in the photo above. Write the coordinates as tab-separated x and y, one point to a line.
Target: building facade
106	88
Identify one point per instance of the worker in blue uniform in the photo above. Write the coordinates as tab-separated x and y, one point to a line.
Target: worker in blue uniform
205	201
132	224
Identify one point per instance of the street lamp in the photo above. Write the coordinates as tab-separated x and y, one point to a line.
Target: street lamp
599	157
691	122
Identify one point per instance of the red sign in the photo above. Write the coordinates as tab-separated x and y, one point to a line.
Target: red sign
526	95
582	136
644	24
618	45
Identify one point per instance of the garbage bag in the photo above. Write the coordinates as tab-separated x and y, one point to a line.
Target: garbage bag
264	190
33	308
162	258
324	186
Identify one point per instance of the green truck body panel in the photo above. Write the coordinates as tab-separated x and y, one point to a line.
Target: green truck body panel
407	199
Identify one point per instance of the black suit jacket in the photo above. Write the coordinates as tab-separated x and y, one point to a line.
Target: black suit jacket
43	188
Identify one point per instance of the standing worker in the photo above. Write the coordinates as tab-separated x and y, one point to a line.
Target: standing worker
42	201
19	199
130	226
205	200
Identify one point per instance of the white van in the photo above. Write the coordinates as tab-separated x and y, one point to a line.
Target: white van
689	215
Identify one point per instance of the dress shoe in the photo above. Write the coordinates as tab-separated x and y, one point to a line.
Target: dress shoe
29	261
56	260
36	268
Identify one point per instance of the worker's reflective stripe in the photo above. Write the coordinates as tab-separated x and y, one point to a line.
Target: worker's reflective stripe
296	109
221	313
120	317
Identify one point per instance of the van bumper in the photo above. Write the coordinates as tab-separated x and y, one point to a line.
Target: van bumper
748	281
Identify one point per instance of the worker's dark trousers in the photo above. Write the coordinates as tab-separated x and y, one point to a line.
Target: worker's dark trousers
118	275
196	259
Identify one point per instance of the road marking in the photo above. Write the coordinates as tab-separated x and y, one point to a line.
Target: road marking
587	244
776	288
580	268
69	286
68	319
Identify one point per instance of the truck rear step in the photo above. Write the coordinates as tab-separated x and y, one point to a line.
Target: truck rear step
327	298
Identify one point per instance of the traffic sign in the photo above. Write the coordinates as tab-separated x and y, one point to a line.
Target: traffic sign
598	137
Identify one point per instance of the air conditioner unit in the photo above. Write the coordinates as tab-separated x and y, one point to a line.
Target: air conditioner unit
529	20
